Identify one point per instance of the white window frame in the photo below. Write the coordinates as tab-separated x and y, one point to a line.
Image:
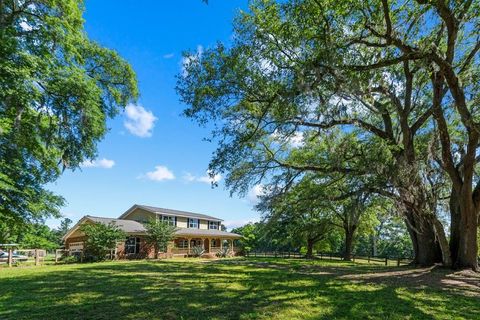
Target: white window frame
170	220
76	246
193	225
213	225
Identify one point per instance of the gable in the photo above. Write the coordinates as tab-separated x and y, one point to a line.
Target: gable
139	215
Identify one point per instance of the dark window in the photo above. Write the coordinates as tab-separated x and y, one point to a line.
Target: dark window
132	245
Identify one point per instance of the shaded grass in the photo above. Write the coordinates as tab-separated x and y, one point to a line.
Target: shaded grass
235	289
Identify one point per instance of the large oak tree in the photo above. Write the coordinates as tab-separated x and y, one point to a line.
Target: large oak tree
57	89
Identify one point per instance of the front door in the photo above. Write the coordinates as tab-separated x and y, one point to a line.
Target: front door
205	243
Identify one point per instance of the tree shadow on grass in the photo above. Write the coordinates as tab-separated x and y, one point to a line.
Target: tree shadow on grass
222	289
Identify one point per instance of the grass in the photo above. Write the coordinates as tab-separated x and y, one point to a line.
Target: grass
236	289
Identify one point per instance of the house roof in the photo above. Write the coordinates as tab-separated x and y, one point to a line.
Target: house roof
170	212
134	227
128	226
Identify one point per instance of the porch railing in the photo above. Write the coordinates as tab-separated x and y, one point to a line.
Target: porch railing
185	250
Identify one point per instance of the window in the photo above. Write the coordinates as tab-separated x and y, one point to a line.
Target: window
76	246
170	220
132	245
213	225
182	244
214	243
193	223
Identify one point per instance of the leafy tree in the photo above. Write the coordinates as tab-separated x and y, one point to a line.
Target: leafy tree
159	234
249	242
101	239
304	70
57	88
299	220
38	236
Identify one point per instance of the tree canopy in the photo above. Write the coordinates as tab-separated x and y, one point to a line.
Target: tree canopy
57	88
383	92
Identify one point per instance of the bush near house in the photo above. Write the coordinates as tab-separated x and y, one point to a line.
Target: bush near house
101	239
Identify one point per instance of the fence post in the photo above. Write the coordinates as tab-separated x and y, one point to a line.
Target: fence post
386	261
330	256
398	262
368	258
353	257
37	257
56	256
10	257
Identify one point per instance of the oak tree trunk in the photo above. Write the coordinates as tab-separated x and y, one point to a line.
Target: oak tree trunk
310	243
425	247
467	255
454	226
349	234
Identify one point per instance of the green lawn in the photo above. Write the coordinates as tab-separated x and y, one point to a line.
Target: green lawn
236	289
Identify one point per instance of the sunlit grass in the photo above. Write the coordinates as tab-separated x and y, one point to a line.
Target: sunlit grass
229	289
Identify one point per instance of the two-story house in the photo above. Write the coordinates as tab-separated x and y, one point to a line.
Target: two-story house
193	229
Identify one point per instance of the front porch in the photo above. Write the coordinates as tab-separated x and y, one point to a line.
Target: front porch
184	246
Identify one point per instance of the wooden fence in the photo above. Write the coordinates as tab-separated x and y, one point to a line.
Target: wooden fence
384	260
24	256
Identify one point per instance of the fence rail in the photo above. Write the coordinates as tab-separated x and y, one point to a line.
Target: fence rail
398	261
23	256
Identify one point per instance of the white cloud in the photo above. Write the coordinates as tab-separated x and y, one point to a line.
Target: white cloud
186	60
295	140
25	26
168	56
231	224
160	173
139	122
254	193
101	163
205	179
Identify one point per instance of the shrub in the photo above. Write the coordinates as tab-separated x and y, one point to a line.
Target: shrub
159	234
71	259
197	251
101	239
223	253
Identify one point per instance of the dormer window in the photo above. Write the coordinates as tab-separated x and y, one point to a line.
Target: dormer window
193	223
213	225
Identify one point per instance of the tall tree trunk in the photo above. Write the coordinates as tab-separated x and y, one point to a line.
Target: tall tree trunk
463	230
425	247
310	243
454	226
349	234
467	255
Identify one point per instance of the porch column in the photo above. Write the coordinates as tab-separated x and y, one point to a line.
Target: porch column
188	247
221	244
209	245
231	245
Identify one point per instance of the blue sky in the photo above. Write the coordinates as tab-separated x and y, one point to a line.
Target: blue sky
152	155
